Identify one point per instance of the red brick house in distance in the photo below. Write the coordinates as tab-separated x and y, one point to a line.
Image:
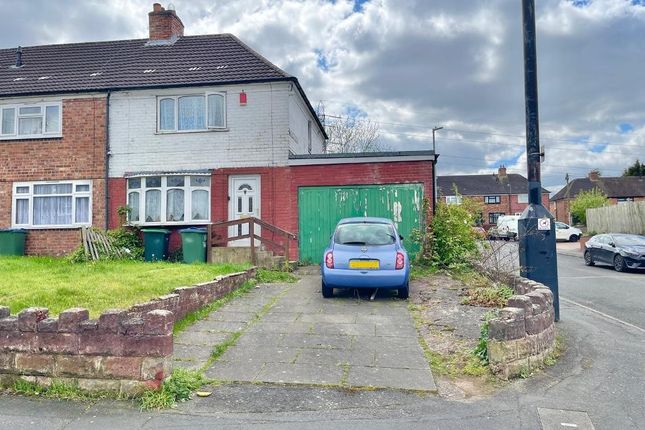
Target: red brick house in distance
618	190
499	194
185	131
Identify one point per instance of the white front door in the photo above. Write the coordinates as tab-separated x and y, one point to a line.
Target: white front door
244	192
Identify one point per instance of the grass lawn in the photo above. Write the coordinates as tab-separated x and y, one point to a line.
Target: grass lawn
58	284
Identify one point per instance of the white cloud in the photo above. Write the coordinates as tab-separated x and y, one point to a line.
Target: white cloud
414	64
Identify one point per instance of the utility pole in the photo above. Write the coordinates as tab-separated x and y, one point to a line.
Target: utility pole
538	257
434	171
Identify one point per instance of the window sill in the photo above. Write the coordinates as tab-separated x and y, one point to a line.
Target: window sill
40	137
169	224
51	227
210	130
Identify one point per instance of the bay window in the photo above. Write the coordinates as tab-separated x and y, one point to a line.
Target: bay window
30	120
175	199
61	204
194	112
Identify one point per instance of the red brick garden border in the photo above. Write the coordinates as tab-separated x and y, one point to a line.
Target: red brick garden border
122	351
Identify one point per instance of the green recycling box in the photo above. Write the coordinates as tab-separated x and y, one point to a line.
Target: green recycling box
155	244
193	244
12	241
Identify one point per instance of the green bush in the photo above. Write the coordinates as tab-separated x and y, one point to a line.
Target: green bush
587	200
128	239
453	238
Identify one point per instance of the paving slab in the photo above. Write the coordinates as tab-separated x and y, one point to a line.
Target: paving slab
346	341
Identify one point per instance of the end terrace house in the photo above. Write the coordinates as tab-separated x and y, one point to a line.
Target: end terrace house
183	131
178	108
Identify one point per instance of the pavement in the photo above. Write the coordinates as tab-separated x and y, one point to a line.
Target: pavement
290	334
569	248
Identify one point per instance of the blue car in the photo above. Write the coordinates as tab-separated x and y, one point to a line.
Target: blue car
365	253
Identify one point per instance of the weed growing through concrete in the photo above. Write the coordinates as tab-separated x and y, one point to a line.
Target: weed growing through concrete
177	388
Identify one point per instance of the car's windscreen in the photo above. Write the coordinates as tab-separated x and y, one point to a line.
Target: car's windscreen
630	240
364	234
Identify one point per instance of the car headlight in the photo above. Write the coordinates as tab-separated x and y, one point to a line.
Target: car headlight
631	253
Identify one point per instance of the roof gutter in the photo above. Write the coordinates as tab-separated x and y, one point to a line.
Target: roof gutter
182	85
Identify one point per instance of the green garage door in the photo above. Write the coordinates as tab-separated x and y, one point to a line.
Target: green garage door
320	208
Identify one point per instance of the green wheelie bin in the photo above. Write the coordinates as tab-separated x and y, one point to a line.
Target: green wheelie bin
12	241
193	244
155	244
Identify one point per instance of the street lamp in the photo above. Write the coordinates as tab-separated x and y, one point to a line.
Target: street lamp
434	173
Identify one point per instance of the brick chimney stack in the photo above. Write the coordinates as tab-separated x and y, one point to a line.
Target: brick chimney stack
594	175
501	172
164	24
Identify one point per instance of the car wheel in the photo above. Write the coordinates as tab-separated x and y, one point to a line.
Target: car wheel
327	292
573	238
588	260
619	263
404	292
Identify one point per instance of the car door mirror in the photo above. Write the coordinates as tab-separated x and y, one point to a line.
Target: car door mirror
612	244
401	237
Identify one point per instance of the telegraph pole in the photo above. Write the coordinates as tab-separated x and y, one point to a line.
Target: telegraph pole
434	171
538	257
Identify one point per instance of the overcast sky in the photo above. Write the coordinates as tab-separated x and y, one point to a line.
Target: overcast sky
411	65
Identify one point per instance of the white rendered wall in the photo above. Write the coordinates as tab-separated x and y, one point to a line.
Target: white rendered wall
256	134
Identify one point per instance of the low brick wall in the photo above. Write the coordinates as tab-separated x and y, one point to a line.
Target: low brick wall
122	351
524	333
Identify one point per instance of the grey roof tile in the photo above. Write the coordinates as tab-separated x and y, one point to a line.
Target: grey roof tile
483	185
616	187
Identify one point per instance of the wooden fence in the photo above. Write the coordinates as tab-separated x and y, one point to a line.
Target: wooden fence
623	218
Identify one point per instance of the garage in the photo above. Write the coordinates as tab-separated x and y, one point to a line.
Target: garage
320	208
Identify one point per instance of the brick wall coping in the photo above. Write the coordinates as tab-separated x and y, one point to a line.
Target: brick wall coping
523	334
122	350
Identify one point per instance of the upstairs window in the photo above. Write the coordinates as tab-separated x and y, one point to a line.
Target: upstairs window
195	112
453	200
492	200
30	121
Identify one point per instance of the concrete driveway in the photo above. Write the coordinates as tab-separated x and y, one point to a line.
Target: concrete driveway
290	334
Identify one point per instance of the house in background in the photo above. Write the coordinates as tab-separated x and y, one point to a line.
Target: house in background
499	194
185	131
619	190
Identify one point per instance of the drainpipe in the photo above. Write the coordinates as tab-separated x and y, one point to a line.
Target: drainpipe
107	161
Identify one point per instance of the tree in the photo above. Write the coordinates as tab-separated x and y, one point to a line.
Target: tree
636	169
594	198
353	135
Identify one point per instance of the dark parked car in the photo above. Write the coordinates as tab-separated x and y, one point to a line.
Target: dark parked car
623	251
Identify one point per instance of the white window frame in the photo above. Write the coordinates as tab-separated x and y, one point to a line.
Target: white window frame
454	200
164	188
522	198
496	199
43	115
176	98
30	196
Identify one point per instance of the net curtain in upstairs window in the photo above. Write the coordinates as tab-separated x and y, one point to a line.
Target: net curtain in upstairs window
167	114
191	113
216	116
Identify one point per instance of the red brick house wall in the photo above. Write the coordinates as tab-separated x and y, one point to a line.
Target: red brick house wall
279	189
561	212
504	206
78	154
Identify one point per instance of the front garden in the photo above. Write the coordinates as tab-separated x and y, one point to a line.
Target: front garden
58	284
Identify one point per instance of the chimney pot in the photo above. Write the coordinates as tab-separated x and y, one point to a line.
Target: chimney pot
501	171
164	24
594	175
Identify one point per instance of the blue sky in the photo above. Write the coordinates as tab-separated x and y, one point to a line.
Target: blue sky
410	65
